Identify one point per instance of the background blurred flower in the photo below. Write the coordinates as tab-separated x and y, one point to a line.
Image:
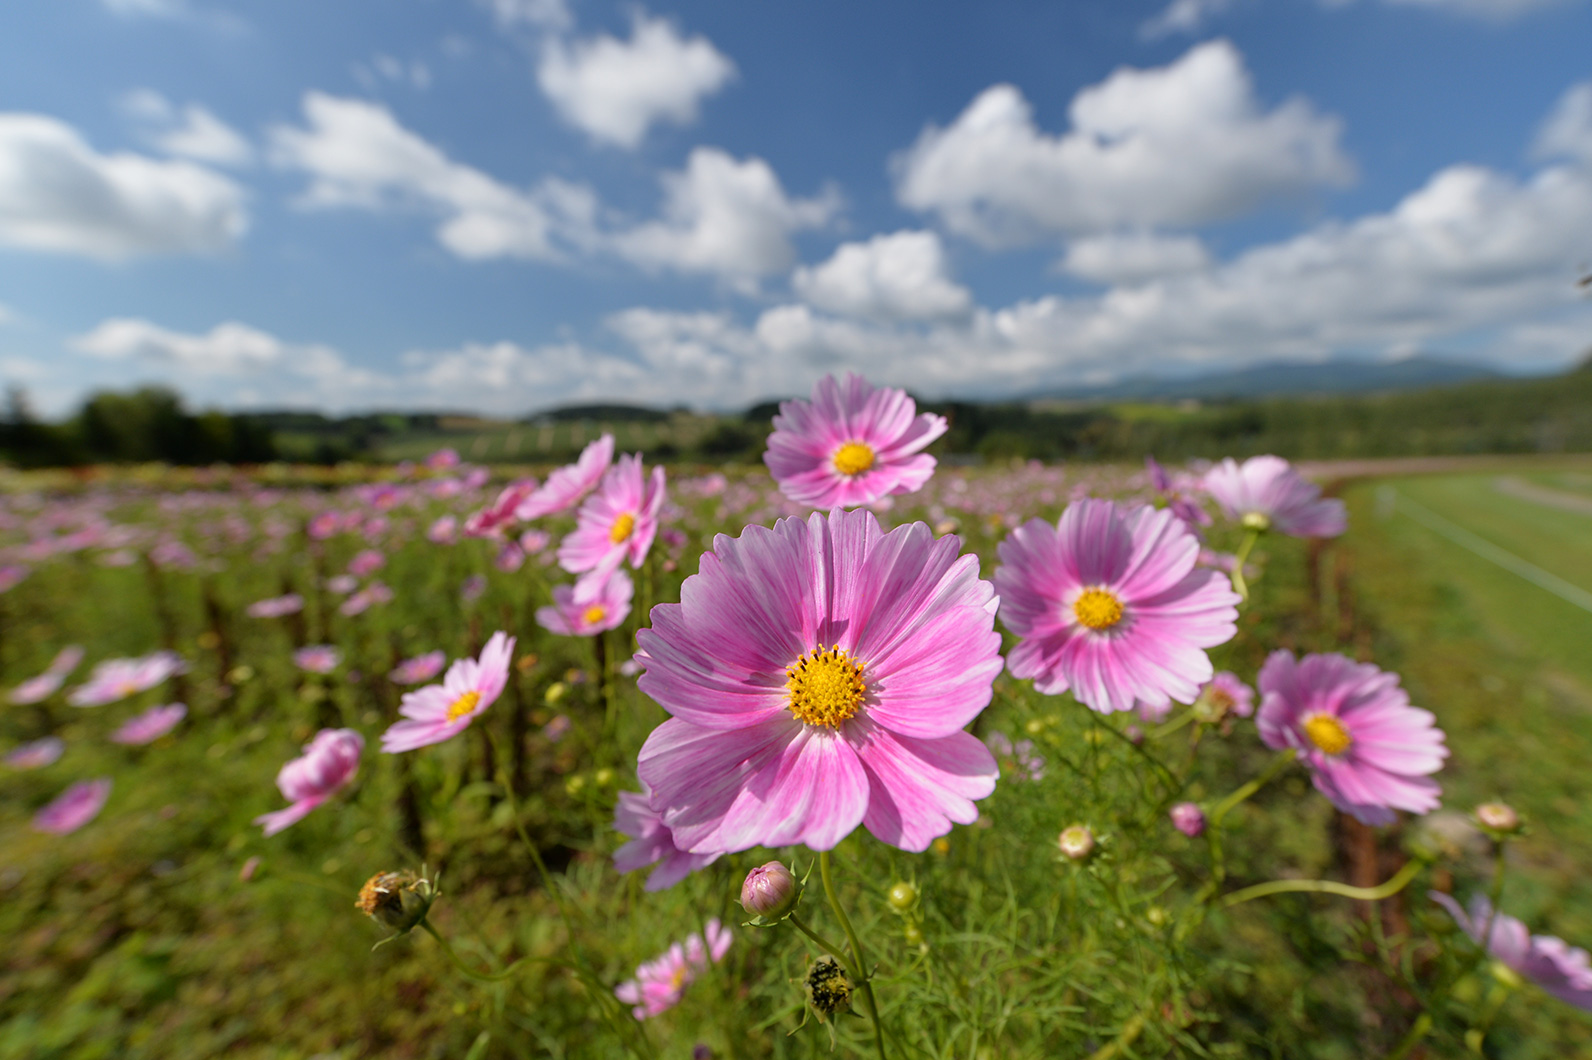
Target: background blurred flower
1266	493
151	725
608	607
74	807
329	762
418	669
440	712
570	483
36	754
1559	968
317	658
116	679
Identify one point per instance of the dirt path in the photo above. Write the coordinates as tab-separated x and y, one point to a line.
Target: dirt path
1511	486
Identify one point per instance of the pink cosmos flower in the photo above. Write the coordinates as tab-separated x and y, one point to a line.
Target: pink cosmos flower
490	521
569	484
317	658
617	522
420	668
323	525
1188	818
1109	604
36	755
820	674
851	444
74	807
651	842
1019	756
366	562
442	460
444	531
606	609
660	983
342	584
116	679
533	541
329	762
472	588
42	687
1266	493
1368	750
440	712
10	575
510	557
1226	694
276	606
1180	494
1560	969
151	725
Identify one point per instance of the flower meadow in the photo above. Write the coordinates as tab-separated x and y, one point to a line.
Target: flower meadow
859	755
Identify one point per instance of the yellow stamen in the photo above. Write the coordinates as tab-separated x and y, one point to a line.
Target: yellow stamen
853	458
1328	733
463	705
1097	609
593	614
825	687
622	528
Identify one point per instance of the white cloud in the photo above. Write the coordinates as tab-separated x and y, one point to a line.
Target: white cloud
1498	10
543	14
225	350
616	90
193	132
1182	16
727	218
901	276
1185	144
359	156
505	378
1133	257
1568	131
58	194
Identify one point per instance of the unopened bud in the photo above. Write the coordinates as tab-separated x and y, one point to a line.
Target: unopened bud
1498	817
1256	521
397	900
828	987
1188	819
903	896
770	891
1076	841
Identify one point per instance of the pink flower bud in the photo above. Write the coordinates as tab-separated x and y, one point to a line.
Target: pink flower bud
770	891
1497	817
1188	819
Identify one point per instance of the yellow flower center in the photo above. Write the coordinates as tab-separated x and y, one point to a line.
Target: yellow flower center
593	614
1097	609
853	458
463	705
622	527
1328	733
825	687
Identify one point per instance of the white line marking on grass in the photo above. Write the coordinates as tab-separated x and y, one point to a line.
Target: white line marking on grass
1487	550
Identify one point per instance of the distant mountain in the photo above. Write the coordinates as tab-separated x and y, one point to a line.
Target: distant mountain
1281	378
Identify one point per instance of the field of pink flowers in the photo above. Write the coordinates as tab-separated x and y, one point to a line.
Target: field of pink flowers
859	754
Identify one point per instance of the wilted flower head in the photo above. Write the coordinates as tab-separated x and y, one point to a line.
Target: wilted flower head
151	725
398	901
851	444
74	807
1559	968
1266	493
1368	750
116	679
1110	605
828	987
660	983
329	762
440	712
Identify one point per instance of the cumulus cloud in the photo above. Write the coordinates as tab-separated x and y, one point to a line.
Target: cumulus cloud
1182	16
724	217
1568	131
228	349
58	194
901	276
616	90
358	155
1133	257
192	132
1180	145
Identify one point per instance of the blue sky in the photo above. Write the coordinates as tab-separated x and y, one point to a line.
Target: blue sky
504	205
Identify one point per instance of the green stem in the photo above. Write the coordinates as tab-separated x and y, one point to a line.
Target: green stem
858	973
1393	886
453	956
1240	586
1421	1028
823	943
1267	775
1172	726
1130	1033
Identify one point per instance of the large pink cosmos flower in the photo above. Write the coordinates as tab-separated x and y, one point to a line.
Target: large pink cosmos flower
1368	750
74	807
617	522
851	444
660	983
1560	969
607	608
328	763
42	687
1266	493
651	842
151	725
1109	603
440	712
820	674
116	679
570	483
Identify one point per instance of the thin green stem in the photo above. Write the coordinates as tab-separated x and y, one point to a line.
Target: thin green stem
1267	775
1393	886
497	977
1172	726
858	965
823	943
1240	586
1418	1031
1130	1033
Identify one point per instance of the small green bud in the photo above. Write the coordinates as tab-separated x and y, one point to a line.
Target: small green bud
1256	521
903	896
554	693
